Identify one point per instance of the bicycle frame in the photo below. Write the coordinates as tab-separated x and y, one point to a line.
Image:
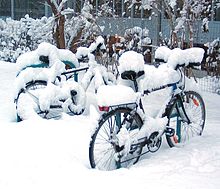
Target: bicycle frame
133	125
175	97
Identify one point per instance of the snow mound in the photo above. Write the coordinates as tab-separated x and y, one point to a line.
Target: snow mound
131	61
162	53
55	56
185	57
31	68
178	57
157	77
115	94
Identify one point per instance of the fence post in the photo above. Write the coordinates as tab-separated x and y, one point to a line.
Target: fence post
12	9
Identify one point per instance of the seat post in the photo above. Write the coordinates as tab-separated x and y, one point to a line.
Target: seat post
135	85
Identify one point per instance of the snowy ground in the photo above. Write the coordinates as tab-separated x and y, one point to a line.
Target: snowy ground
54	154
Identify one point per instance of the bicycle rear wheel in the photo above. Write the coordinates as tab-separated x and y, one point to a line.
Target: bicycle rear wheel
104	150
27	102
195	110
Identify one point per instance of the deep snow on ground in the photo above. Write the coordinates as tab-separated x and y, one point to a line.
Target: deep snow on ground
54	153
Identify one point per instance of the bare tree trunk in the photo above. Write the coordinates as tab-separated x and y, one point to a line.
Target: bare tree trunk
75	40
173	33
58	32
190	34
174	40
190	18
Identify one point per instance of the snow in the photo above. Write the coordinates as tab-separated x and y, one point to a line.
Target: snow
162	53
131	60
152	125
114	95
178	57
157	77
29	68
190	55
99	42
98	73
172	3
83	52
55	67
54	153
205	25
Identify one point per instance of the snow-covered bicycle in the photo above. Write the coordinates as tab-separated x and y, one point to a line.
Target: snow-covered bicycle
47	88
127	130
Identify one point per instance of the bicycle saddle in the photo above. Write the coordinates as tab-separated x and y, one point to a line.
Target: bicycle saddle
159	60
131	75
44	59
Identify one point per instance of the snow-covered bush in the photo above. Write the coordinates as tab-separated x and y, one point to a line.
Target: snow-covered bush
213	57
136	38
17	37
182	16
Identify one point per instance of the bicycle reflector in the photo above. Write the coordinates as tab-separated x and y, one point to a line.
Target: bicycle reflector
104	108
195	102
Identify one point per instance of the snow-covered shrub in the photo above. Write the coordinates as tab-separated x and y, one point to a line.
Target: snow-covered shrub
137	38
17	37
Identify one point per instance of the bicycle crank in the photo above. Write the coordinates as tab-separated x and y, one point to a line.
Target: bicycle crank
154	142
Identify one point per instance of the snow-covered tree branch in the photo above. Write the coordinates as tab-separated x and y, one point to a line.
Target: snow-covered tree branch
181	15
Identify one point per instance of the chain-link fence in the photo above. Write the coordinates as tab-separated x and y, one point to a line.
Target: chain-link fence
210	84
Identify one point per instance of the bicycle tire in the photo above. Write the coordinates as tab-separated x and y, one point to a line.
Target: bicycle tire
102	149
27	103
195	110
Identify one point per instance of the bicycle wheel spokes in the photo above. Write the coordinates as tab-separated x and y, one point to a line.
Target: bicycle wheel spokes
105	153
27	103
186	129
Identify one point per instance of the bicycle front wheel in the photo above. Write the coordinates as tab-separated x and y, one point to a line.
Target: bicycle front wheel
104	150
195	110
27	102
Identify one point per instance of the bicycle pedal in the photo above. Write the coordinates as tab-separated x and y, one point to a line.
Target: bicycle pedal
170	131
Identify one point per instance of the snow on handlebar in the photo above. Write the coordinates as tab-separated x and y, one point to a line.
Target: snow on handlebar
180	58
84	52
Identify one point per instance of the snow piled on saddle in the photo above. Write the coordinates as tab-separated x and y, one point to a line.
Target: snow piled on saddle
98	43
83	52
55	55
179	57
162	53
185	57
131	61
